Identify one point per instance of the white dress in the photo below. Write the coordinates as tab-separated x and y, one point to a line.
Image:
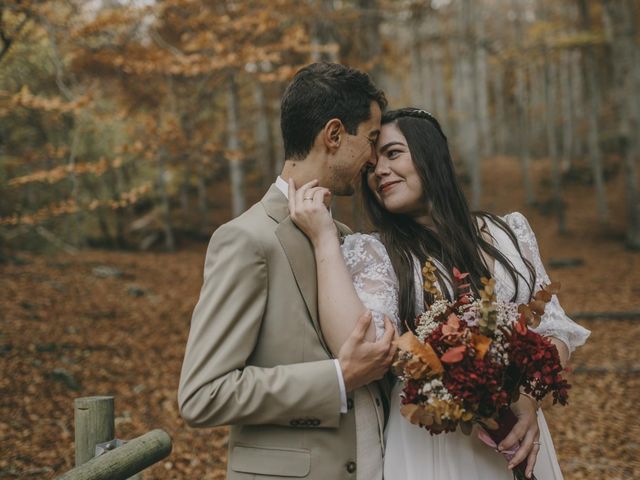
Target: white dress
411	452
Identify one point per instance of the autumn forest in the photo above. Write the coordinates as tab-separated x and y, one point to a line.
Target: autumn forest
131	129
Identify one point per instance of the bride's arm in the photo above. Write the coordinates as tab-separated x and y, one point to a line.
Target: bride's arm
339	305
563	332
337	296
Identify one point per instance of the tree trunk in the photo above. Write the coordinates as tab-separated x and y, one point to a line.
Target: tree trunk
536	103
203	205
234	155
626	79
524	134
467	110
78	238
165	204
264	146
420	86
439	89
500	115
593	135
550	72
578	101
323	34
184	189
276	136
567	111
523	103
481	85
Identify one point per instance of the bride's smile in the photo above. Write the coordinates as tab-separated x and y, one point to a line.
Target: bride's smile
394	179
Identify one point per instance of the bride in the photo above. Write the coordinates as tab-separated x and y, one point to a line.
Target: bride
418	210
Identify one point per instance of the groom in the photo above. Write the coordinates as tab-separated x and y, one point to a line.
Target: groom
256	358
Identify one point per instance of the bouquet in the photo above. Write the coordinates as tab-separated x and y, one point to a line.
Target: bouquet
469	359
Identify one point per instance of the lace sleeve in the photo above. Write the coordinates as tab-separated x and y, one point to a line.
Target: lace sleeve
373	277
555	323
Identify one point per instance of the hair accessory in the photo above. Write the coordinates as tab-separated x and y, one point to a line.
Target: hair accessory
420	113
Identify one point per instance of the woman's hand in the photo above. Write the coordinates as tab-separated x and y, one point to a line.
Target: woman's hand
309	211
526	432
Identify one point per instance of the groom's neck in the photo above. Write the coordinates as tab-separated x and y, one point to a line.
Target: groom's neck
303	171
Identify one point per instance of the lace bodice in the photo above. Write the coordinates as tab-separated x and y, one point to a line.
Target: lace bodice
377	285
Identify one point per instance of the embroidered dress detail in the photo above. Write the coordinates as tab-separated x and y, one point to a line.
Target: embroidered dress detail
555	322
373	277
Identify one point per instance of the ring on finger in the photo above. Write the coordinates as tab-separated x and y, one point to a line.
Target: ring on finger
537	443
307	198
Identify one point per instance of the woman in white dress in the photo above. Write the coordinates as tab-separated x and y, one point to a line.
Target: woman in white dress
414	201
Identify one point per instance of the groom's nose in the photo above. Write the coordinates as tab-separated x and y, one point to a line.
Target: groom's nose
373	159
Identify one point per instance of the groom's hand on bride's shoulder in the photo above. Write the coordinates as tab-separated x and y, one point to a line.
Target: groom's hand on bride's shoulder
362	361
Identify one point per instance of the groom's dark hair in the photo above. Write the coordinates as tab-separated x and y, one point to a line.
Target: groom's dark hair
318	93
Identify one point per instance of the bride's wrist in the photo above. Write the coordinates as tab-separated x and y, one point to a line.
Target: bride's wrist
531	398
325	239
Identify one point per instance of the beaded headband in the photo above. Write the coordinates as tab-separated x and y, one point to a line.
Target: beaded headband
418	113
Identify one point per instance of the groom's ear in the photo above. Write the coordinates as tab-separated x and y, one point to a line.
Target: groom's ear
332	134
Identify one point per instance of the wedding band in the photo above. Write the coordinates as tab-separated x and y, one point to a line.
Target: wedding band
537	443
308	198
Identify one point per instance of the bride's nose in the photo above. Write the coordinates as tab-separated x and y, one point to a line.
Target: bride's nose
382	167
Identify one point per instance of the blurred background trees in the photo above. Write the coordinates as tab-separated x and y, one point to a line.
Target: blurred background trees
139	123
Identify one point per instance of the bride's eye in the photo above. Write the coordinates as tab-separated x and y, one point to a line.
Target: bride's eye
391	154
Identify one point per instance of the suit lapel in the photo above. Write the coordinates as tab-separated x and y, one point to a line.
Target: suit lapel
299	253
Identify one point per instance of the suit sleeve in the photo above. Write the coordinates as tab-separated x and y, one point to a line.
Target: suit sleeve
217	387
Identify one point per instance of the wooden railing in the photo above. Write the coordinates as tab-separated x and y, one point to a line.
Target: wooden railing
95	425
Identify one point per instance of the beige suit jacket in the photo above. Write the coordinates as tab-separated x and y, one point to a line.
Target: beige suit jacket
256	359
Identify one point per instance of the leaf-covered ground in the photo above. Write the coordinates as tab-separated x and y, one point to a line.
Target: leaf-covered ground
70	327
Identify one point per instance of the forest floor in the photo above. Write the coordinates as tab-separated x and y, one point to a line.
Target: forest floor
116	323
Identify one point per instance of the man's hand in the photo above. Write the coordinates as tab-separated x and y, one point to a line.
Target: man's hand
361	361
526	431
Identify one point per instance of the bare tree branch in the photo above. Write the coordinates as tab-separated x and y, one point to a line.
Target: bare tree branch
7	39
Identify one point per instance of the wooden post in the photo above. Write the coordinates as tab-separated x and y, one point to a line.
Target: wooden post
94	417
124	461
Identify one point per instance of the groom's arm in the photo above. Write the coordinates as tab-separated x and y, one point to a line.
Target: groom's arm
216	385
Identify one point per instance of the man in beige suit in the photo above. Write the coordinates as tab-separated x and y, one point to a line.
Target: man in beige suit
256	358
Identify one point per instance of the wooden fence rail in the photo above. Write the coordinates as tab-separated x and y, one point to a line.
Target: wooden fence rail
95	426
124	461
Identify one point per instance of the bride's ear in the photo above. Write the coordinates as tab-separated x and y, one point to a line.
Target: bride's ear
332	134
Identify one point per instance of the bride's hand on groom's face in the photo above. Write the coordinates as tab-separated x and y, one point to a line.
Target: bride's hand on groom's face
308	207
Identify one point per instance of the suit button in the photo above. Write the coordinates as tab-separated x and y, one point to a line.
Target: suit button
349	403
377	401
351	467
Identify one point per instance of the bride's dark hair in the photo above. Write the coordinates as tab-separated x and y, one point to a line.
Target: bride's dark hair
456	239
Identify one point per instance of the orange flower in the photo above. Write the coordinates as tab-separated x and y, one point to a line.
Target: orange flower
481	344
408	342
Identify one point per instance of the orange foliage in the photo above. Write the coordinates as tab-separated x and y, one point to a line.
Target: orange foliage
71	206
